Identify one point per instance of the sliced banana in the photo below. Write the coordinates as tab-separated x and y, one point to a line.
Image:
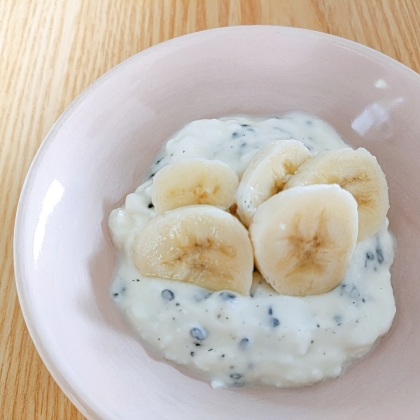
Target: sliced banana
267	173
303	238
199	244
194	181
358	172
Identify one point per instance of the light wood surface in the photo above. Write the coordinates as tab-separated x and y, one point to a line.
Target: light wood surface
53	49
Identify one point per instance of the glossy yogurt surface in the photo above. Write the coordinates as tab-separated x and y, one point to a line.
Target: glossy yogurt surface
265	338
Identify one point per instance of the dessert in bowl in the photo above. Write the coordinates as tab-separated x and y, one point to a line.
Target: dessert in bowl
103	146
281	279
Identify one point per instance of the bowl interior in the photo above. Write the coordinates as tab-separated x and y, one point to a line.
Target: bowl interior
98	152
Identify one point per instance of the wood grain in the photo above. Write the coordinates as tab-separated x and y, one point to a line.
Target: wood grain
53	49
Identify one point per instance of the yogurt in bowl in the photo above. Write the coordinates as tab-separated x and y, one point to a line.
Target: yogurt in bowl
232	339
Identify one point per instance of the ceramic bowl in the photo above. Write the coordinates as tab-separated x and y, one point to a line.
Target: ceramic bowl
103	144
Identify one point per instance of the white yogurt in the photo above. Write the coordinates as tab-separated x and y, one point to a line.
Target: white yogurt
265	338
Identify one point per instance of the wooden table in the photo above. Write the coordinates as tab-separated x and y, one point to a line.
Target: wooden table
53	49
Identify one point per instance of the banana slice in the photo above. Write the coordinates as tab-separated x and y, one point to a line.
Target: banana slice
267	173
358	172
193	181
303	238
200	244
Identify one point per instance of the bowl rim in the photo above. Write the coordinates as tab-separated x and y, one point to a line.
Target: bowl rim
84	405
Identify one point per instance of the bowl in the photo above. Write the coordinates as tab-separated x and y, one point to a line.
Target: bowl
103	144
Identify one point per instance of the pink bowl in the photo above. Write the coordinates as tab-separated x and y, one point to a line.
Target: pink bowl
99	150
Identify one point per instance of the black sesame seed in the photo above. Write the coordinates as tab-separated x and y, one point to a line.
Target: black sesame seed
159	160
168	294
363	300
236	376
152	175
244	343
317	325
197	344
198	333
177	304
210	350
115	294
150	206
202	294
223	355
227	296
192	353
245	125
274	322
379	255
270	311
370	256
